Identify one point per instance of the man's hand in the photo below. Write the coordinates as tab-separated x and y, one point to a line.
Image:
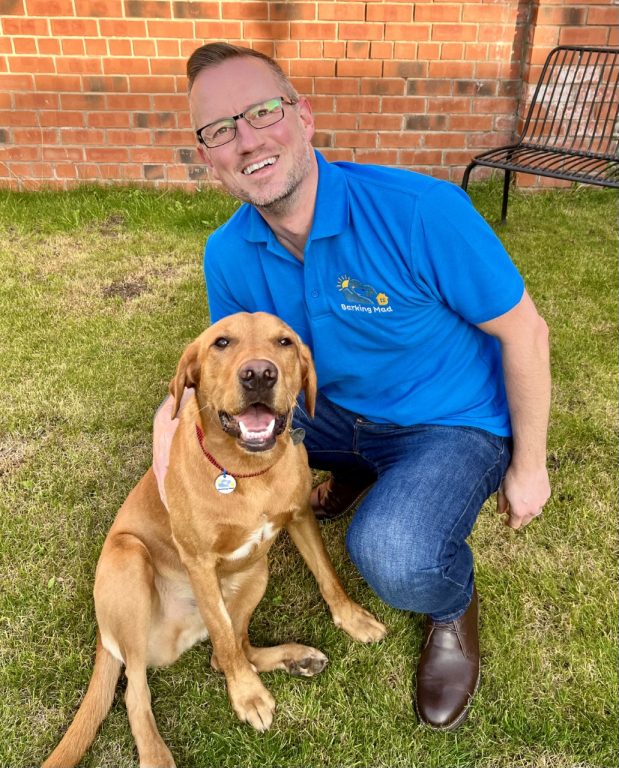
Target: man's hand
522	496
164	427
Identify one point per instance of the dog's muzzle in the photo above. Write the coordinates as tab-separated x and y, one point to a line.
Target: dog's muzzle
255	428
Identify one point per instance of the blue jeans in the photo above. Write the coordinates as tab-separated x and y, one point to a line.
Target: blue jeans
408	536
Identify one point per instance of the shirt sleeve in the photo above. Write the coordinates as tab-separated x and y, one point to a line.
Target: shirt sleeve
221	299
457	258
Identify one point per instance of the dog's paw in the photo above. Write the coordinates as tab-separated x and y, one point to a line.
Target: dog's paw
306	663
253	704
359	623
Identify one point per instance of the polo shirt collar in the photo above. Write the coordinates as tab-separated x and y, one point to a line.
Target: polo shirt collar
330	214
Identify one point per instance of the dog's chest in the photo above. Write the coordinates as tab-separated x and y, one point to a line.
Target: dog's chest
254	539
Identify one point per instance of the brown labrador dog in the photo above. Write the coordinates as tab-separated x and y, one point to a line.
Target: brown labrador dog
168	578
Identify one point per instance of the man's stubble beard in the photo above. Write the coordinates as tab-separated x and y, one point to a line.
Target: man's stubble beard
284	200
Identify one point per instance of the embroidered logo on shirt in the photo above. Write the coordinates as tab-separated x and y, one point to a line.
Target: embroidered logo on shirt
362	297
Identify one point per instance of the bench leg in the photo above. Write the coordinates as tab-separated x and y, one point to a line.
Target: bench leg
506	180
467	173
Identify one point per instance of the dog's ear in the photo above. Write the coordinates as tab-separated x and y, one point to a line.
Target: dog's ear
187	374
308	378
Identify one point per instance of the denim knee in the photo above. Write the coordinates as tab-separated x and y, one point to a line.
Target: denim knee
407	576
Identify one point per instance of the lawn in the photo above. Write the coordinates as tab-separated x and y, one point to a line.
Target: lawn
100	291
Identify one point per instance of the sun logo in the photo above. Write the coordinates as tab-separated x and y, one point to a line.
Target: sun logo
343	282
382	299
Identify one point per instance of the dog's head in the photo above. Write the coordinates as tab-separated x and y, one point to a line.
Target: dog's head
247	370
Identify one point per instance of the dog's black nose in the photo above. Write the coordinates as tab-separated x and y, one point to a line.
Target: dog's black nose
255	375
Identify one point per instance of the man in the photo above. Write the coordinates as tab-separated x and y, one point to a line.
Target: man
432	360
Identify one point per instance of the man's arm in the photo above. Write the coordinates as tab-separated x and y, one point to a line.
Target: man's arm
523	335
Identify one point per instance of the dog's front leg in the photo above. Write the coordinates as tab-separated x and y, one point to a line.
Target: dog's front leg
250	699
350	616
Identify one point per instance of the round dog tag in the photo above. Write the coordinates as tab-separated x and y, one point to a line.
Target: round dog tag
225	483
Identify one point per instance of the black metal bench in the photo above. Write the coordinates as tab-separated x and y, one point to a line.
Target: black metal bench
571	130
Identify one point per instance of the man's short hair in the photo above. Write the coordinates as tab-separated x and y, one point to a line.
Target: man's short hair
212	54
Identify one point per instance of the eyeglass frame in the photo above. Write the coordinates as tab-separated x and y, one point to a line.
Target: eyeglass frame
236	118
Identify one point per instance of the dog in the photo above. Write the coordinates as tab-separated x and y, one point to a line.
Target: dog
169	578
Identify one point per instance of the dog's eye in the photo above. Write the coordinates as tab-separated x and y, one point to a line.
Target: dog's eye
285	341
222	342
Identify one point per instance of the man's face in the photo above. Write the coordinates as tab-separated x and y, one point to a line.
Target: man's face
230	88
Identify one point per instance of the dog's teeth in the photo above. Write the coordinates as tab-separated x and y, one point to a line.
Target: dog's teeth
262	435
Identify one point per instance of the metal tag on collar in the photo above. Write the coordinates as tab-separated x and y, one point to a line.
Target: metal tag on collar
225	483
297	435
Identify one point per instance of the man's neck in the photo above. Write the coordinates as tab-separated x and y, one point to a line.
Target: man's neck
291	219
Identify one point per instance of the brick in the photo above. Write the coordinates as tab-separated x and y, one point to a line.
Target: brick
107	120
322	139
366	31
556	16
74	27
96	47
353	68
407	51
122	28
438	12
377	156
449	106
401	140
312	68
61	119
37	101
99	8
601	16
117	84
82	101
15	26
176	29
74	65
462	69
339	85
31	64
381	50
423	122
312	31
72	46
334	50
58	83
75	154
339	155
107	154
429	51
455	32
404	32
381	122
452	51
475	87
166	66
471	123
586	36
340	11
12	7
357	49
35	136
144	48
343	122
258	11
486	13
125	66
405	69
390	12
403	104
148	9
291	11
310	50
127	138
445	140
24	46
420	157
196	10
383	86
355	139
13	82
49	8
151	154
120	47
155	119
48	46
358	104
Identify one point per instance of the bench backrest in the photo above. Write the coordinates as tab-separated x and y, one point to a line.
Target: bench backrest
576	102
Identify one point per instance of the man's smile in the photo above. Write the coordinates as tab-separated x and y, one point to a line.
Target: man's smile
259	165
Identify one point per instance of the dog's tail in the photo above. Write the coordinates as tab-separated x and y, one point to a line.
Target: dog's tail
92	711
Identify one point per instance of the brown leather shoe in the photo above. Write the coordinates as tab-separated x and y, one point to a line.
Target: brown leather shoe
332	499
448	672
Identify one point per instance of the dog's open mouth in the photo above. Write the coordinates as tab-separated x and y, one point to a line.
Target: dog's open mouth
256	428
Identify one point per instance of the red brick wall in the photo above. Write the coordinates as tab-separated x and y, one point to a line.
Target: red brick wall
95	89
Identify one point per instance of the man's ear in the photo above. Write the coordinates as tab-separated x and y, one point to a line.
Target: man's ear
308	379
187	374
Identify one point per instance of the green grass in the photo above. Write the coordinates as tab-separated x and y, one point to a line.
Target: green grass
101	289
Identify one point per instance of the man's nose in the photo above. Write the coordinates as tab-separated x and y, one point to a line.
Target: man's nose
258	375
247	138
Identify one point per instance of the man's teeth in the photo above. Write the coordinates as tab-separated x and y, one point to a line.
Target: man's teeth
246	434
257	166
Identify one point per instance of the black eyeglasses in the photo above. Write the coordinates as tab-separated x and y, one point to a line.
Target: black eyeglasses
259	115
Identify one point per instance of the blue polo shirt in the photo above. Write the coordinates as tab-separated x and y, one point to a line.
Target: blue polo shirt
398	270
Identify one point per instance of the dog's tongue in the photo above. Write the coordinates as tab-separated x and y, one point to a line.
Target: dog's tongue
257	419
